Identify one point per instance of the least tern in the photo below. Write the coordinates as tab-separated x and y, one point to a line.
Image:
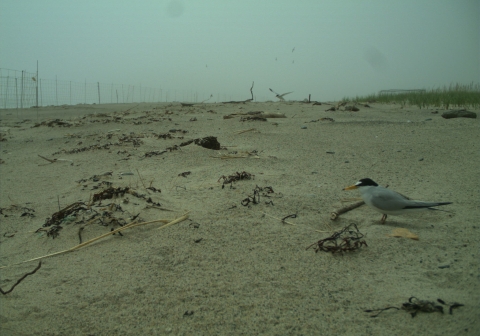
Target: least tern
280	96
389	202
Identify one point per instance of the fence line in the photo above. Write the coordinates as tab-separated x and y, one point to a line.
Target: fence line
394	92
22	89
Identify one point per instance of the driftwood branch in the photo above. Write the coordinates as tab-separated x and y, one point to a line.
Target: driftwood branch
242	101
334	215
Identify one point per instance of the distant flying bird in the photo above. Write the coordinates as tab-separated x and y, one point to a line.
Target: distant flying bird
280	96
293	49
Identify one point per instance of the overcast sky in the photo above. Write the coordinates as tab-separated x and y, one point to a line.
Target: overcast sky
330	49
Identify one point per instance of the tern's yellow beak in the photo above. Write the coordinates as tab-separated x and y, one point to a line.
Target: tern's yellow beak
351	187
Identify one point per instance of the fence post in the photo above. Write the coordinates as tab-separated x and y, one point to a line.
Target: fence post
56	90
16	91
98	83
117	95
70	92
21	92
36	89
6	93
41	97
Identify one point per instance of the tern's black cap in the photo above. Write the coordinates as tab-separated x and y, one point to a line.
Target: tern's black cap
366	182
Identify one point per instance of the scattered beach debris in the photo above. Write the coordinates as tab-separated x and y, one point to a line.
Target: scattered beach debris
163	136
185	174
459	114
153	153
235	177
55	160
253	119
257	192
283	220
352	108
259	114
21	279
322	119
132	224
348	239
58	217
238	155
209	142
246	130
414	305
404	233
52	123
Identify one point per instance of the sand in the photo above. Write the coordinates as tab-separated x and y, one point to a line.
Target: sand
231	269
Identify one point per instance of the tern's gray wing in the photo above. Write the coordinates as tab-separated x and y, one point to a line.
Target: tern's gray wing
388	200
283	94
273	91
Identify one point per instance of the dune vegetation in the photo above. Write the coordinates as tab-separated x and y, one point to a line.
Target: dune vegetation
454	95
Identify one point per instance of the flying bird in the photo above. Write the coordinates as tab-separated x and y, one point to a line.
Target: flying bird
280	96
389	202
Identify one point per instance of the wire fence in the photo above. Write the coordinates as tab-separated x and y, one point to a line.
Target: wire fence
395	92
22	89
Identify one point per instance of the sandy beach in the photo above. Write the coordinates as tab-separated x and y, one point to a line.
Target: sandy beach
233	267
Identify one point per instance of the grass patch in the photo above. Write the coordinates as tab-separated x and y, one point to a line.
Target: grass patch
455	95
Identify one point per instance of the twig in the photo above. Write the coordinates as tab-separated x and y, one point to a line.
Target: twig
128	226
244	131
55	160
141	180
334	215
280	219
23	277
49	160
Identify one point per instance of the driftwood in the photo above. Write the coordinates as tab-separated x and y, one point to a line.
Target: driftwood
334	215
242	101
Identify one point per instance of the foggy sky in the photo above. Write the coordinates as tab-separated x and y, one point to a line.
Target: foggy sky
330	49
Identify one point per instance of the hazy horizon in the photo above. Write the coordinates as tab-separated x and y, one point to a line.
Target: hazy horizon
329	49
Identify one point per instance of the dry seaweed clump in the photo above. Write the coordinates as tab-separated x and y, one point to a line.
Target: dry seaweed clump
415	305
346	240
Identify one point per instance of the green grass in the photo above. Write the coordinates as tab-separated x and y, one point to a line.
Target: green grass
455	95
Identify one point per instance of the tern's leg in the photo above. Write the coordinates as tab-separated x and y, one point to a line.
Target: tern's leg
384	218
